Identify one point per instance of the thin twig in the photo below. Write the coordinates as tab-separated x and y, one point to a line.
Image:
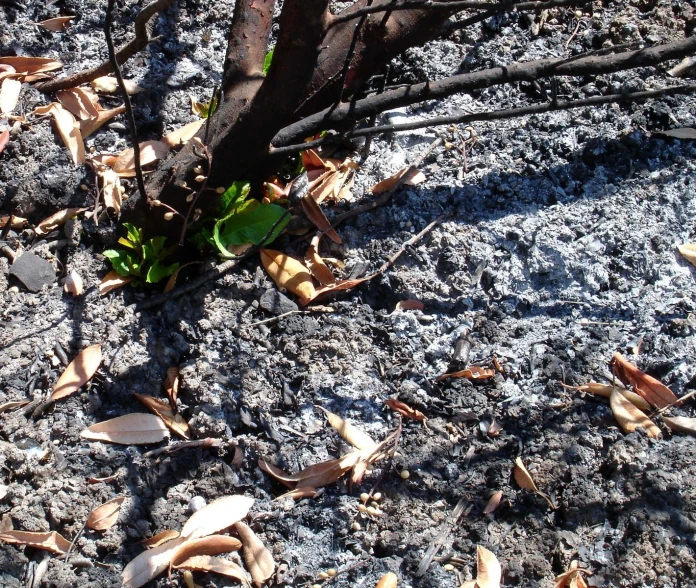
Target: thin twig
142	38
406	244
441	537
126	99
208	442
679	401
79	534
486	116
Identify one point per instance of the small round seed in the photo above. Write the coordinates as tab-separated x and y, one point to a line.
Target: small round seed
449	567
323	575
372	511
168	216
377	496
189	198
364	497
405	474
331	572
220	190
355	527
199	178
198	169
362	508
578	14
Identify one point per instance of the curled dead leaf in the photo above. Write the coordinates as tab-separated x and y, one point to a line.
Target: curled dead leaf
316	265
573	578
4	140
15	222
605	390
48	541
651	389
73	284
29	65
80	102
488	570
411	175
410	305
150	151
350	433
78	372
171	418
112	281
210	545
316	215
57	25
682	424
219	514
182	135
9	95
524	480
160	538
87	127
105	516
171	385
68	129
12	405
473	372
688	251
149	564
257	558
288	273
299	493
493	502
56	220
131	429
217	565
629	417
404	409
335	287
109	85
389	580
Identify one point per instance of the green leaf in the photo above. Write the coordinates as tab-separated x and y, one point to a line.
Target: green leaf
121	261
135	235
125	242
158	271
267	61
154	248
250	226
233	197
205	109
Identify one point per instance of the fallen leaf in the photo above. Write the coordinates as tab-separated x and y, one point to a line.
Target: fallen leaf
109	85
131	429
682	424
149	564
105	516
16	222
87	127
257	558
150	151
219	514
210	545
493	502
299	493
9	95
7	406
311	159
79	372
410	305
57	25
160	538
68	129
335	287
316	215
315	476
28	65
651	389
207	563
488	570
473	372
688	251
288	273
104	480
316	265
112	281
81	103
183	135
171	385
172	419
404	409
112	190
605	390
4	140
525	481
350	433
171	282
73	284
389	580
573	578
57	220
48	541
681	133
413	178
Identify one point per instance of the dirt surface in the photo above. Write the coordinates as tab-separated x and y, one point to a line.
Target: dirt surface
557	249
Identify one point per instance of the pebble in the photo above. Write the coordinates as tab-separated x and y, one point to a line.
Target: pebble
276	303
33	271
196	504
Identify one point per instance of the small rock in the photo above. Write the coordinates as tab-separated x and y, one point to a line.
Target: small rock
196	504
33	271
276	303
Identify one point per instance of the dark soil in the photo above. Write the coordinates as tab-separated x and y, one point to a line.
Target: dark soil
558	248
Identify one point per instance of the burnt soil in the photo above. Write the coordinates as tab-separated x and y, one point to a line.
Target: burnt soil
557	249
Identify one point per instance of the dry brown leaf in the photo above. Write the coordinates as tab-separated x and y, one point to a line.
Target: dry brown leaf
389	580
171	282
525	481
83	104
6	406
682	424
316	215
316	265
651	389
605	390
109	85
159	539
217	565
87	127
105	516
57	25
410	305
350	433
79	372
288	273
315	476
48	541
150	151
219	514
338	285
681	133
16	222
149	564
629	416
413	178
172	419
183	135
4	140
473	372
488	570
73	284
688	251
404	409
112	190
28	65
312	160
112	281
9	95
210	545
68	129
131	429
171	385
57	220
299	493
573	578
257	558
493	502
